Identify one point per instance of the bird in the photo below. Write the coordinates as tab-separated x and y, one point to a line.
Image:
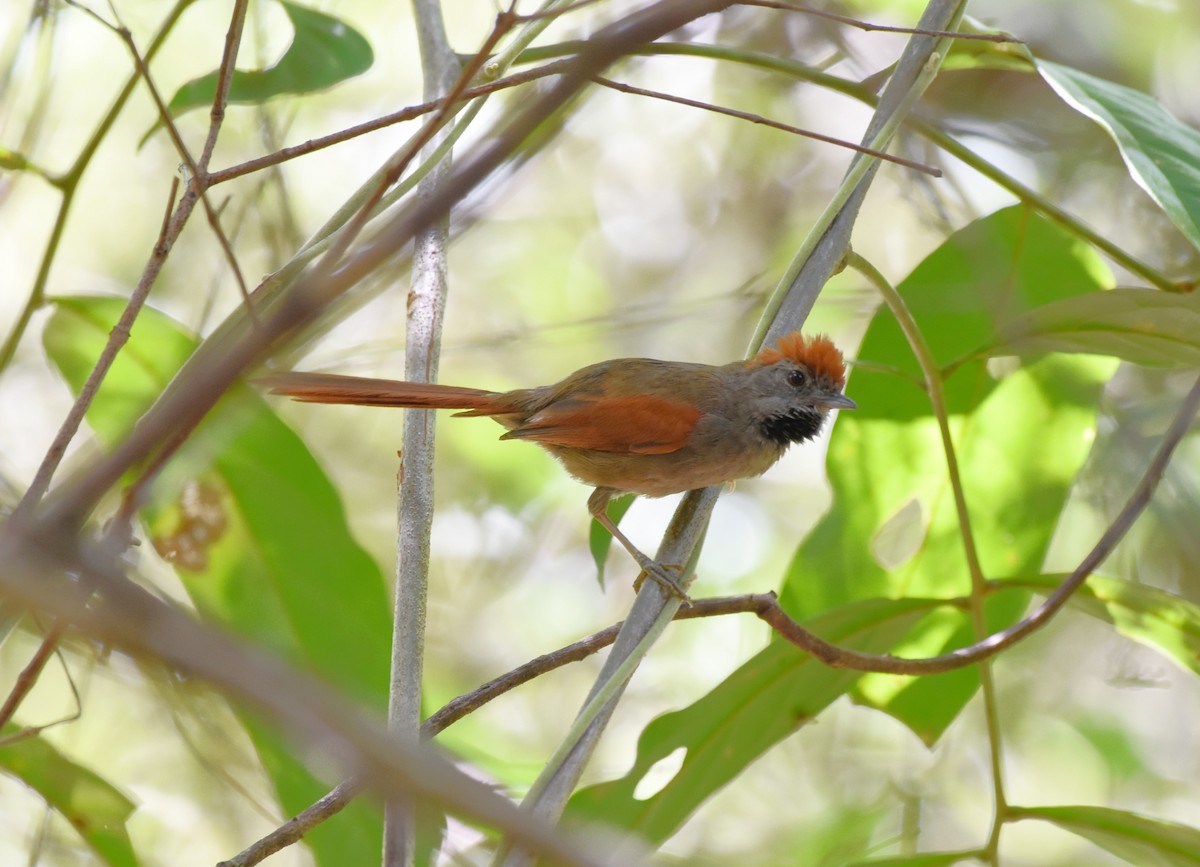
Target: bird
637	425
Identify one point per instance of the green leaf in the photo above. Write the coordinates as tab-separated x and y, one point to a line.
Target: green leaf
1139	840
600	540
1144	326
985	54
1162	153
757	706
1020	437
324	51
1148	615
94	807
12	160
257	533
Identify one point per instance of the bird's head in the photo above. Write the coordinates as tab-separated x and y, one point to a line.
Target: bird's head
793	386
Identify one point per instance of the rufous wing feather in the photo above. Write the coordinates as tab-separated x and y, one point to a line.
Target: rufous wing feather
634	424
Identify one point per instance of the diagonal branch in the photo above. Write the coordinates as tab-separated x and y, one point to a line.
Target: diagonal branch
818	259
766	121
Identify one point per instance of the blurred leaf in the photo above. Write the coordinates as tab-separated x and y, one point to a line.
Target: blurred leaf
1162	153
1118	747
1020	439
1144	326
923	859
74	338
12	161
94	807
257	533
1138	839
1146	614
600	540
834	837
757	706
324	51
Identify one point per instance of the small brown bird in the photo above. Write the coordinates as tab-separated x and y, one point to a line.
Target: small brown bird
637	425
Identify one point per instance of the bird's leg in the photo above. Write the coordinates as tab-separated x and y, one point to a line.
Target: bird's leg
598	507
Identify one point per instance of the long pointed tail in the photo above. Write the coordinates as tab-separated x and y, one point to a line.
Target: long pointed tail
332	388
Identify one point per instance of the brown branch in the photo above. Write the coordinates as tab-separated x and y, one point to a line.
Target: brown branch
774	124
29	674
881	28
294	829
504	22
404	114
162	247
233	40
198	170
555	12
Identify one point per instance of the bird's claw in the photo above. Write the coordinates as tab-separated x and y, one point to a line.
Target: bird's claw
661	574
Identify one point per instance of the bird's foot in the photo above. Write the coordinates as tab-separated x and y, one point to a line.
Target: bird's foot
660	573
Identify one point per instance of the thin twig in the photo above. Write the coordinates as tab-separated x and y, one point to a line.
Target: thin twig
294	829
774	124
198	171
119	335
879	28
395	168
233	41
29	674
404	114
555	12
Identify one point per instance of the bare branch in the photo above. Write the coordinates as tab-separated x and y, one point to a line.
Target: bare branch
879	28
774	124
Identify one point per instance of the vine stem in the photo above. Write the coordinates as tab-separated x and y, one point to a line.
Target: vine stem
935	388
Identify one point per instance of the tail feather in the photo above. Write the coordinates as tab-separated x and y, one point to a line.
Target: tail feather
333	388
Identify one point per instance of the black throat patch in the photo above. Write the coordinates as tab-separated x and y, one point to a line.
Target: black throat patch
794	426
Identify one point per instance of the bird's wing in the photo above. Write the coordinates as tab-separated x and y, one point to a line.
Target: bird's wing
642	424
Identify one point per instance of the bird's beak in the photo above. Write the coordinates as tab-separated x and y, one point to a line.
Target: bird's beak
836	401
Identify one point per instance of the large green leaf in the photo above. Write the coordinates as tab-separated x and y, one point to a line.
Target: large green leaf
1144	326
1020	436
324	51
1139	840
760	704
93	806
1162	153
257	533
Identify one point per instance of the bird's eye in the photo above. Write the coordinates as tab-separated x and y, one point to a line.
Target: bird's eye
796	378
